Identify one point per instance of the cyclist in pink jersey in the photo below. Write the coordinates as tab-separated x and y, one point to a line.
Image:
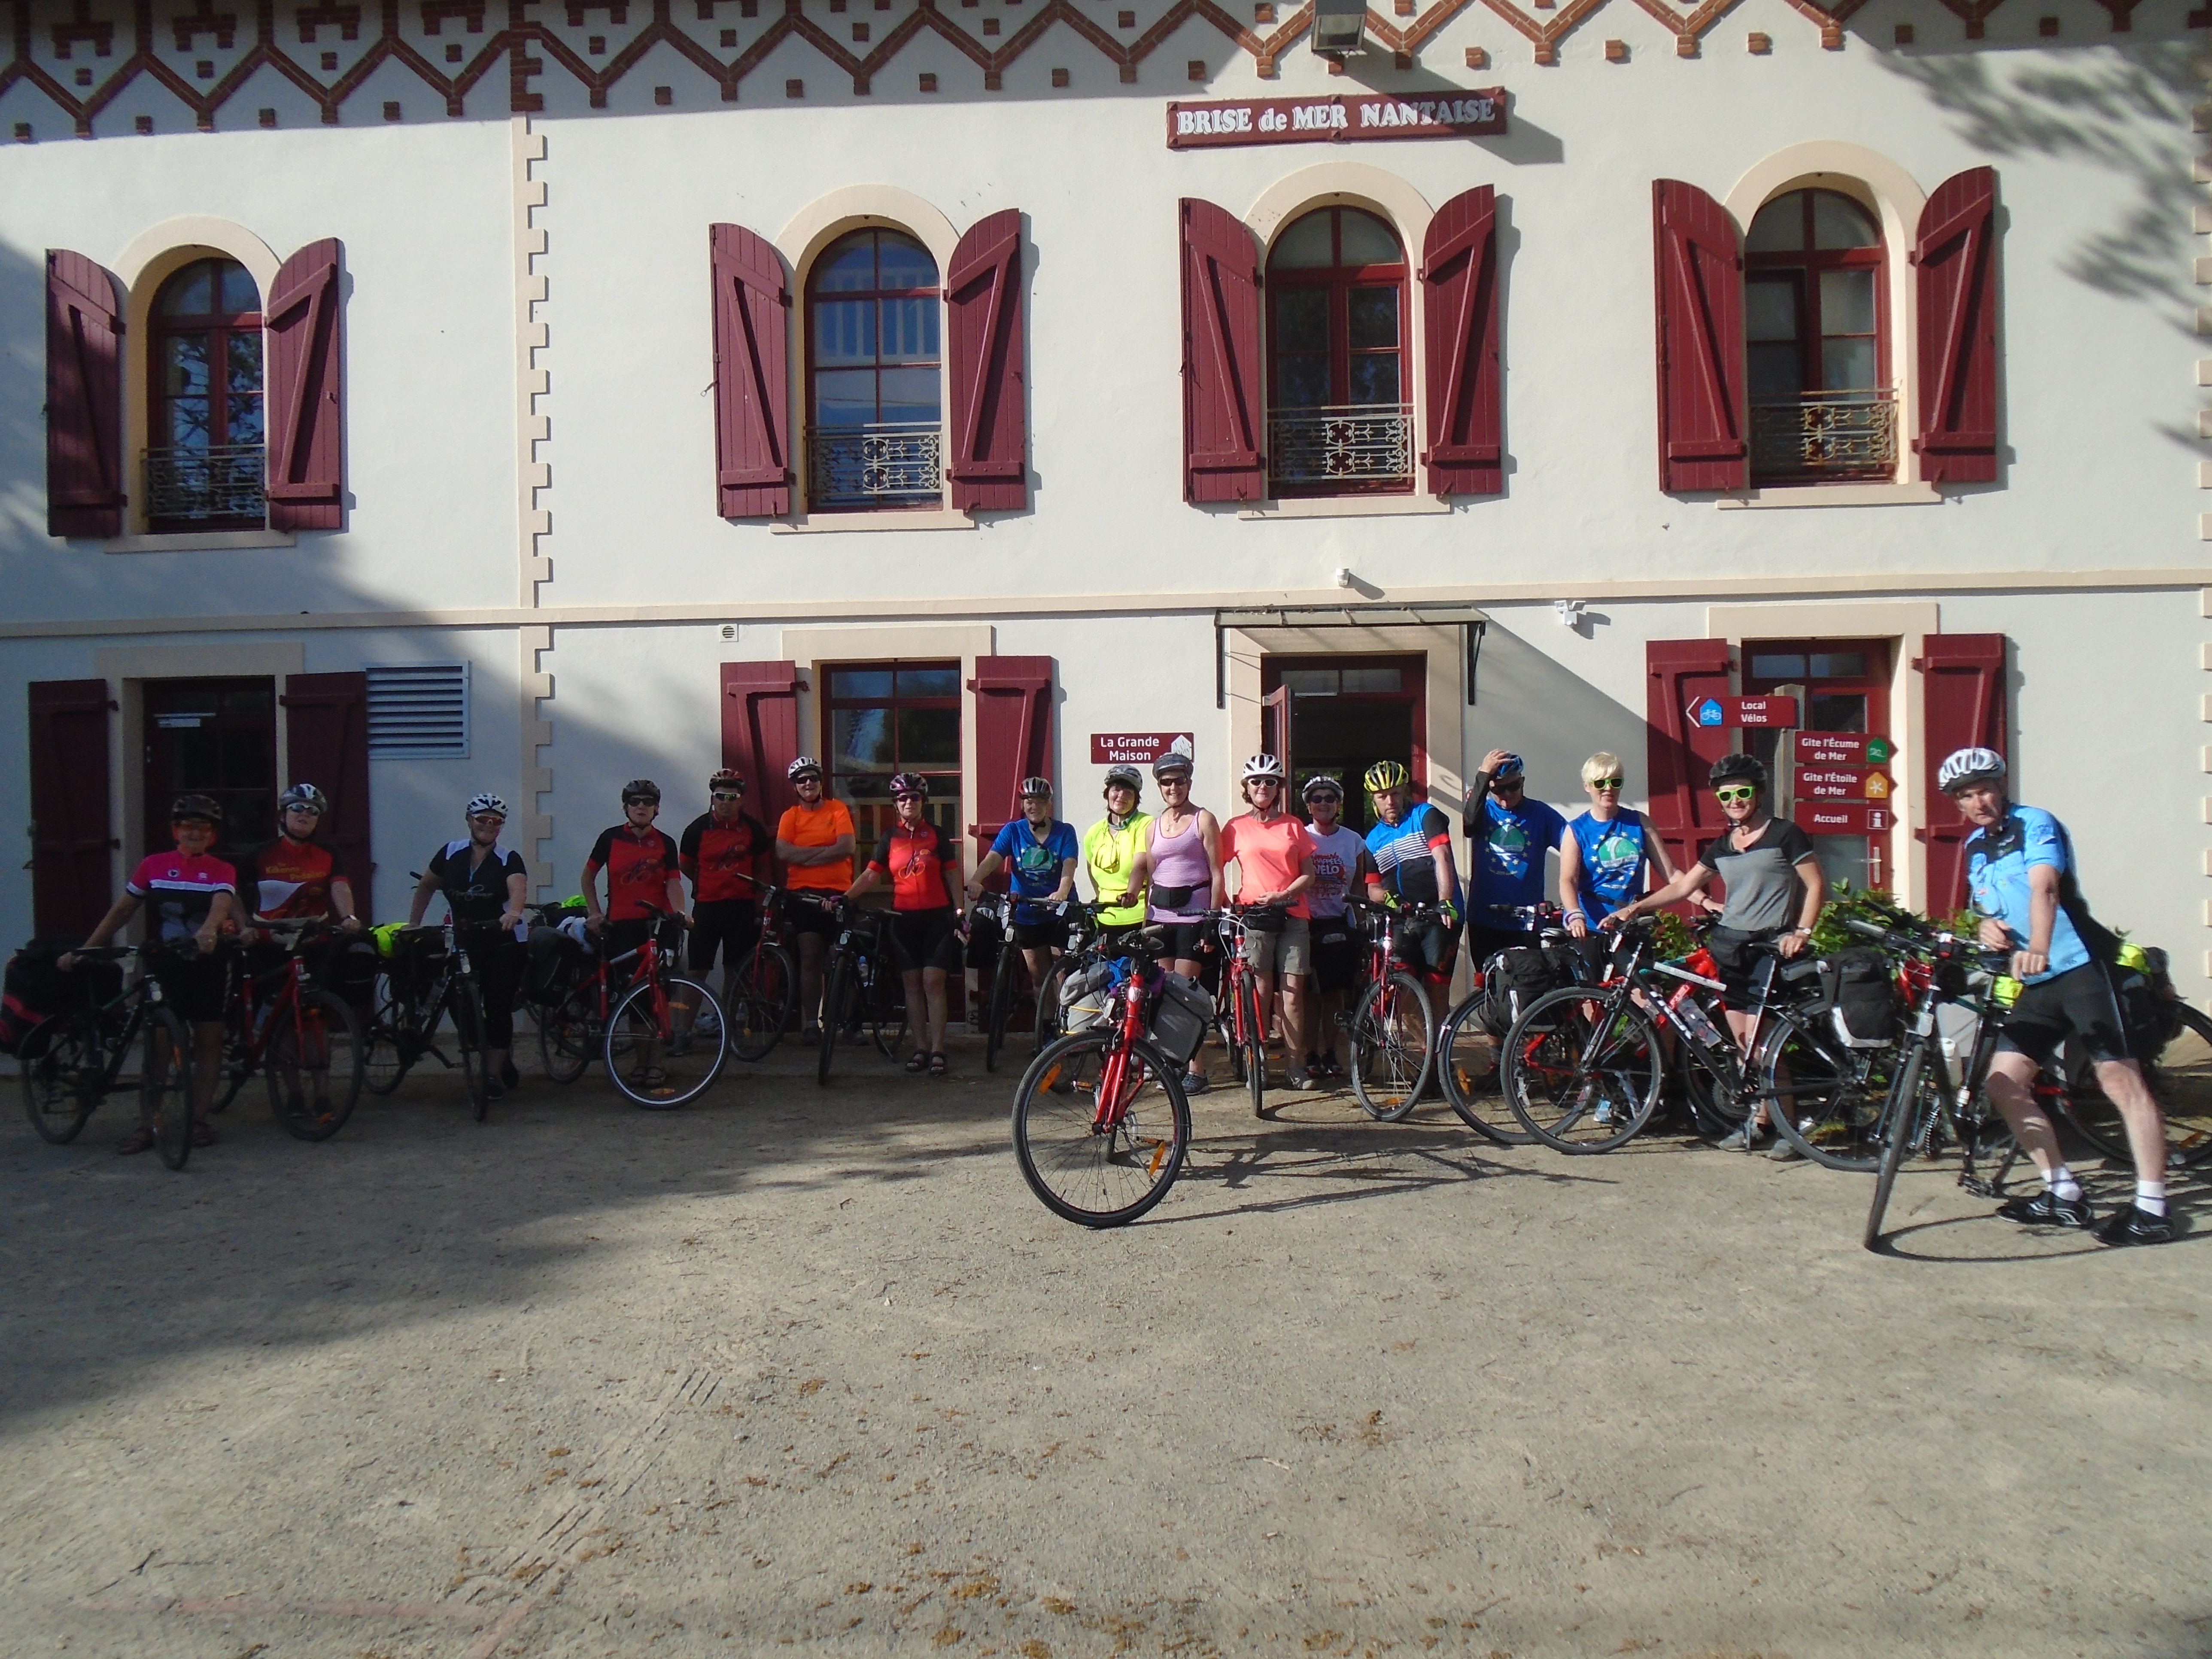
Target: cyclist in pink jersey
1181	861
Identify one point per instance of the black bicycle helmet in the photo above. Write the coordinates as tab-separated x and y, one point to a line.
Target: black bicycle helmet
206	808
638	789
1737	768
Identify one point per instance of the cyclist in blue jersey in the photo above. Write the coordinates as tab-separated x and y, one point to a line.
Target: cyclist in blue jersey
1411	847
2021	872
1039	852
1508	835
1609	853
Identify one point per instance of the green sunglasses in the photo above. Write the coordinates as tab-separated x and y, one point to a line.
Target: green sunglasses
1606	783
1734	792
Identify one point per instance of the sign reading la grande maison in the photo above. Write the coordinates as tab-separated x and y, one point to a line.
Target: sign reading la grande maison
1338	119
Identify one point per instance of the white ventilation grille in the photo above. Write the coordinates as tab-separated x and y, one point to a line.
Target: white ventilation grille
420	711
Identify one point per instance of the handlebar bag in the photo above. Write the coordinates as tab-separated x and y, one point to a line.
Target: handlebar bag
1180	1017
1864	992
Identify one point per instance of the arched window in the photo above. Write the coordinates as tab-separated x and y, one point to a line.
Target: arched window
1821	405
205	442
875	375
1339	404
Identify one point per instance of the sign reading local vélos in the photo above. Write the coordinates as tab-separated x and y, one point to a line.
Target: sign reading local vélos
1745	711
1343	119
1138	748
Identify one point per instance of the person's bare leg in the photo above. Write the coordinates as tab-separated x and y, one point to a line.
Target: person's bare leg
933	992
1293	989
207	1066
2122	1080
2010	1081
1741	1026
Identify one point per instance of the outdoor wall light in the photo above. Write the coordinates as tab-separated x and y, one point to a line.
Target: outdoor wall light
1339	27
1344	575
1570	613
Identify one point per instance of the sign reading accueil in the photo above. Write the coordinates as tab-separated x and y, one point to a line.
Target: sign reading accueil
1345	118
1842	817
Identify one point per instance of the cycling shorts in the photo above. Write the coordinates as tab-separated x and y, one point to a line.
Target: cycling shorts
1430	946
196	989
2082	1002
1188	941
1041	935
1739	956
729	925
802	919
925	939
617	938
1333	954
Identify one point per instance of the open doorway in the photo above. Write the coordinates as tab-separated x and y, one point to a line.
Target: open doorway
212	736
1341	715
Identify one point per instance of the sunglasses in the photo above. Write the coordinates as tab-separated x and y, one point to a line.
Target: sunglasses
1329	800
1502	785
1606	783
729	794
1730	794
909	798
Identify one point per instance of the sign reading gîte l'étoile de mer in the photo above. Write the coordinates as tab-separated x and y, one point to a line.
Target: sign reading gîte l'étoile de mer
1342	118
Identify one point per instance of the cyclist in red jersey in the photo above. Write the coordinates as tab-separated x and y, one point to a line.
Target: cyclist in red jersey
727	855
295	878
643	873
923	864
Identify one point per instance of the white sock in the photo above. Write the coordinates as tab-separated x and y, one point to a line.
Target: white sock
2062	1183
2150	1197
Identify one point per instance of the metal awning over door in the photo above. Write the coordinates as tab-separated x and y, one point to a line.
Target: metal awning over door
1462	616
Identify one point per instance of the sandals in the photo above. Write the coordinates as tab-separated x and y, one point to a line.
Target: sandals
919	1064
138	1140
937	1065
202	1133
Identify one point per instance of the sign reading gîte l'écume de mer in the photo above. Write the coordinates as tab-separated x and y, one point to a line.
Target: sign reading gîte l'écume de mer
1345	118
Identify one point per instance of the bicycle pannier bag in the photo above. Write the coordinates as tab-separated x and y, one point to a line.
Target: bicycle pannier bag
35	990
1865	1013
556	964
1083	997
1524	972
418	955
1181	1019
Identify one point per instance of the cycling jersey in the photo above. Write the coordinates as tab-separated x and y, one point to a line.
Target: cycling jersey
1404	852
1998	859
916	860
725	861
638	868
288	880
1109	856
1764	891
1509	863
1612	852
1032	865
179	890
819	825
1336	857
478	894
1268	856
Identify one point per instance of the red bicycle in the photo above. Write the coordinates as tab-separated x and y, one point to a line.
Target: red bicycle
304	1039
661	1034
1242	1020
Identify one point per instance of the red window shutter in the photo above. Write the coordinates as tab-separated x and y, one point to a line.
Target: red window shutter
1955	255
1699	269
1962	707
84	400
306	403
752	378
990	400
1459	263
1678	753
1221	404
326	744
1013	733
71	884
759	731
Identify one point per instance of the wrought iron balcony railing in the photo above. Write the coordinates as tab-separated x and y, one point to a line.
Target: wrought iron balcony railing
1344	444
1825	435
890	463
224	482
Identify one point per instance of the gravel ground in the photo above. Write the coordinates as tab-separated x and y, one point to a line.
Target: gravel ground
805	1366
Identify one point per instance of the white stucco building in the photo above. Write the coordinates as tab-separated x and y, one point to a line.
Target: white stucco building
621	390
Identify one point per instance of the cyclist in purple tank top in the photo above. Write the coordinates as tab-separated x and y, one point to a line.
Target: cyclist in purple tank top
1181	861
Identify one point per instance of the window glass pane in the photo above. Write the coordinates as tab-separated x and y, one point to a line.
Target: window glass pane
1367	240
909	394
1847	302
1374	679
1780	226
244	362
1375	378
1302	319
929	737
1838	222
844	332
1770	310
861	739
188	423
242	419
1838	664
189	293
1306	246
909	330
1847	365
859	683
1310	682
1302	382
1774	373
944	682
1373	312
902	262
845	397
239	292
1838	713
848	267
187	363
1777	665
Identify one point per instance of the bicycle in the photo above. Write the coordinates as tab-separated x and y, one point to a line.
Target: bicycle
1238	1013
74	1061
430	977
1469	1044
1091	1143
862	988
760	992
304	1039
1392	1026
633	1030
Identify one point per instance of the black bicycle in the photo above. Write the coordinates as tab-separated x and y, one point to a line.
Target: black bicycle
864	991
76	1059
428	976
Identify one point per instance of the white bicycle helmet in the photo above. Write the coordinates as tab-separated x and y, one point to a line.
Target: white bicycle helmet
1970	766
1263	765
486	802
799	768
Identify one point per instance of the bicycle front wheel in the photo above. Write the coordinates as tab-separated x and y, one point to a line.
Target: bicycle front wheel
1001	1011
763	992
61	1064
1391	1048
314	1066
165	1086
1468	1055
388	1046
837	1012
887	1014
1093	1176
1824	1100
1581	1071
1900	1129
2179	1075
569	1036
665	1044
468	1037
1254	1047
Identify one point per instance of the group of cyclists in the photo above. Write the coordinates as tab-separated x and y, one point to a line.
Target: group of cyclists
1291	878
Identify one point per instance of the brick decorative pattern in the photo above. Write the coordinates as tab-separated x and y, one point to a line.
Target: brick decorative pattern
330	49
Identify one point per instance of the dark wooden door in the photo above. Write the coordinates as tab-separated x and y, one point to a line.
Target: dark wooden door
218	737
